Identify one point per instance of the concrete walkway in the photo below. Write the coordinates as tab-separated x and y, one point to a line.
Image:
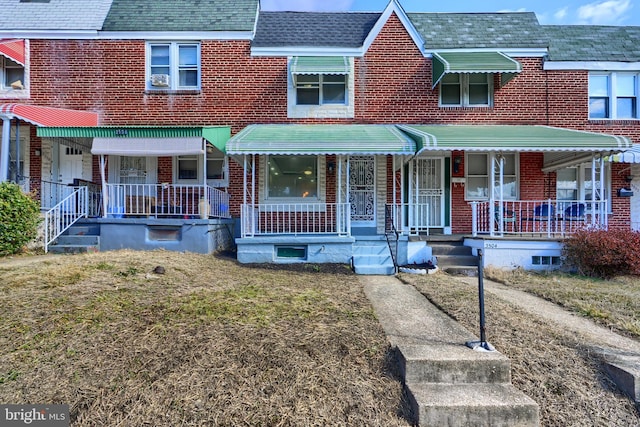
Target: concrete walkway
425	336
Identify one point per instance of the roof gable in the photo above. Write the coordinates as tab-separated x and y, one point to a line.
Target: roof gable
182	15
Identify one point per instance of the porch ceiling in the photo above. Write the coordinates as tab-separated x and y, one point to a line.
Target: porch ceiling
513	138
321	139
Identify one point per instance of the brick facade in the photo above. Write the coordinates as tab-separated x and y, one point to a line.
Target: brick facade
392	86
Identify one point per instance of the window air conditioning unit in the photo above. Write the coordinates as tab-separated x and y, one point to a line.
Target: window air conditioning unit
160	80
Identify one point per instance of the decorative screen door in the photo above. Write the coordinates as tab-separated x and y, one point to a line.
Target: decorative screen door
427	194
362	190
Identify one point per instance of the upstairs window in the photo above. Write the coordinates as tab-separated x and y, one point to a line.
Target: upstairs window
613	96
12	74
174	66
466	90
320	89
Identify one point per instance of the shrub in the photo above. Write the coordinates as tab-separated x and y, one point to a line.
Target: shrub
603	253
19	218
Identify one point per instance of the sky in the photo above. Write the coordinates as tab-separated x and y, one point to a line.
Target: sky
549	12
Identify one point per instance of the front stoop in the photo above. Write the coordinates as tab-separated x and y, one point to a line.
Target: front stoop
79	238
447	383
372	256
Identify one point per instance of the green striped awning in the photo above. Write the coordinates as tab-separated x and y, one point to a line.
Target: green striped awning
512	138
216	135
321	139
319	65
474	62
632	155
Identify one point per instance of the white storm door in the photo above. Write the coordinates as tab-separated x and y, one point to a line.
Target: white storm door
427	194
70	164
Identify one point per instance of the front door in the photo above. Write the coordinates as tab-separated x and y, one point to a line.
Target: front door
70	165
362	191
427	194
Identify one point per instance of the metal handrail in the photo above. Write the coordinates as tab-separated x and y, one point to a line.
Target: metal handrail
63	215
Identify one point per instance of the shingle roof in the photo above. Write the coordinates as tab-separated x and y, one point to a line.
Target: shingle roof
313	29
479	30
593	43
55	15
182	15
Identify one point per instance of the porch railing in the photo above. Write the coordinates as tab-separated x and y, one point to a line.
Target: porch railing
409	218
296	219
64	214
544	218
166	201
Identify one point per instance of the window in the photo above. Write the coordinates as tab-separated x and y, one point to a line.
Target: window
292	177
576	184
188	169
478	167
466	90
174	66
613	96
12	74
320	89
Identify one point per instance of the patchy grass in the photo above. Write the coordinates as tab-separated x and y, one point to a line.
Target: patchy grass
547	363
209	342
613	303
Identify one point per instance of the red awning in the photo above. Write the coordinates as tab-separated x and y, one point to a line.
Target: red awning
50	117
13	49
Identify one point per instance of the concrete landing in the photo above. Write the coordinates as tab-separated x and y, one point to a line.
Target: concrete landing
447	382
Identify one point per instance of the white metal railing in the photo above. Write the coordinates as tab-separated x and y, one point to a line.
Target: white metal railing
64	214
166	201
544	218
410	218
51	193
296	218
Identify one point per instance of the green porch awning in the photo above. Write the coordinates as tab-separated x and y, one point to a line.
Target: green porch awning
321	139
216	135
319	65
512	138
632	155
474	62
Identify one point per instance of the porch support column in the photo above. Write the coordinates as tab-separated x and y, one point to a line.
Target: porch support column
4	149
103	179
207	208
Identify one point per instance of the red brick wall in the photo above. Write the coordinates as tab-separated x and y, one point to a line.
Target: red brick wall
392	85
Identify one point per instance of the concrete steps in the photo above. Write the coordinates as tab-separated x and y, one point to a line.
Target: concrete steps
447	383
453	257
371	255
79	238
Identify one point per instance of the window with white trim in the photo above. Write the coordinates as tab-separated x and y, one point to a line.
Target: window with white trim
613	95
173	66
466	90
292	177
188	169
478	171
321	89
12	74
576	184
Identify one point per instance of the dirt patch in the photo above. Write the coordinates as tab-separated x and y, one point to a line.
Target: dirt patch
202	341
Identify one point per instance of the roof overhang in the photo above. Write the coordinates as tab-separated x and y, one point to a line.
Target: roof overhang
138	136
48	116
319	65
148	147
473	62
321	140
13	49
517	138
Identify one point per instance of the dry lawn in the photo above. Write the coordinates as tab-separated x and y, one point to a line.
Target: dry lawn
209	342
547	363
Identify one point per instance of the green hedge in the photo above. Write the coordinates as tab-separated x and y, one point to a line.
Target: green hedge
19	218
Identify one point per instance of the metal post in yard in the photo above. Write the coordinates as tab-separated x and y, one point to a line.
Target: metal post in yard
481	345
